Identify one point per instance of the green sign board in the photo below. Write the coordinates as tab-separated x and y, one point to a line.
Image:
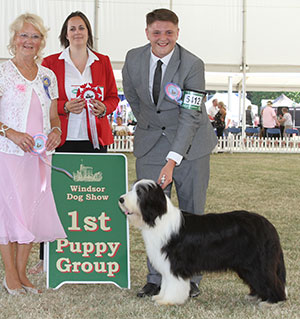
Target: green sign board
96	249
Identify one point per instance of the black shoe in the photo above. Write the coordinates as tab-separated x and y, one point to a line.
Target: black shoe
149	290
194	290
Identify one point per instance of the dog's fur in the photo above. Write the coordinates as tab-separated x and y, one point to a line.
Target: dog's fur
180	245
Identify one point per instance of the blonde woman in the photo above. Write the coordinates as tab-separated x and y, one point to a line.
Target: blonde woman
220	119
28	106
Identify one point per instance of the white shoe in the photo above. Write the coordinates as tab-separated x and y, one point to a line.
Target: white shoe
14	292
32	290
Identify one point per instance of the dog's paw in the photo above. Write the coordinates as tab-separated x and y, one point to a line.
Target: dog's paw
164	302
156	297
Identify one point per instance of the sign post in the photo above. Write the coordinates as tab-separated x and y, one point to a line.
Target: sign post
96	249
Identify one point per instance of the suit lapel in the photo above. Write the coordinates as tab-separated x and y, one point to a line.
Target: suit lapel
170	72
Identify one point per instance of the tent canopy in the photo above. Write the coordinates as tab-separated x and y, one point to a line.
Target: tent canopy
284	101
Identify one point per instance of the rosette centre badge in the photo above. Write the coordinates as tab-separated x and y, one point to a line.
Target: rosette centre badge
40	143
173	91
89	91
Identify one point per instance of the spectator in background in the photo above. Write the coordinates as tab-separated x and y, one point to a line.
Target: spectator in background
249	117
269	117
212	111
228	122
220	119
286	120
120	129
256	120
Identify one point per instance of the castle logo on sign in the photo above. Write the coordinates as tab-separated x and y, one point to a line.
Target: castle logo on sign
86	174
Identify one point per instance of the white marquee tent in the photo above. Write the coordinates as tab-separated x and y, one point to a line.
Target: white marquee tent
235	38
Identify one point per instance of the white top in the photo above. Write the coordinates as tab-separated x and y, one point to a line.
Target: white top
153	62
288	119
16	93
212	111
119	128
77	124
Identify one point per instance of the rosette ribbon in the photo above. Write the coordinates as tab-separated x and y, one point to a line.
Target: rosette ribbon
40	150
87	92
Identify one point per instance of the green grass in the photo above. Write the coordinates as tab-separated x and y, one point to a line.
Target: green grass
265	183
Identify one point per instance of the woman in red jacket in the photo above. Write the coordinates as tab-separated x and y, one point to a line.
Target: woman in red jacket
85	128
75	66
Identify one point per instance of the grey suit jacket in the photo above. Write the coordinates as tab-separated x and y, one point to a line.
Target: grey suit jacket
189	132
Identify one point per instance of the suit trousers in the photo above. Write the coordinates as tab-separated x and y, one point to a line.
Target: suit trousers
191	181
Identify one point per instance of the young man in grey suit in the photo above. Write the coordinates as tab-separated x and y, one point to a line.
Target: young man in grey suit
171	143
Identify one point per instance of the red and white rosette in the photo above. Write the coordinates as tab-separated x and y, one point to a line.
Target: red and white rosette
87	92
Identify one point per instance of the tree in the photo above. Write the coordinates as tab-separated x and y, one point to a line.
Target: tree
256	97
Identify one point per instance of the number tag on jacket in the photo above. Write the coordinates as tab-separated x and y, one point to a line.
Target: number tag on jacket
191	100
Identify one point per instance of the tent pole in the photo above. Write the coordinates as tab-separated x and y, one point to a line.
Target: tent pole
229	95
244	67
96	19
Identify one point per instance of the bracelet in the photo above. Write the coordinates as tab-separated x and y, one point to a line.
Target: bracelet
102	114
56	127
4	129
65	109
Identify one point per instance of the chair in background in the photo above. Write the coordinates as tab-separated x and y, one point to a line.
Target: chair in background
234	130
291	131
273	132
252	131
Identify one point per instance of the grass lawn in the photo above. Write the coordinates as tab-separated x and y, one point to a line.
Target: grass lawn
264	183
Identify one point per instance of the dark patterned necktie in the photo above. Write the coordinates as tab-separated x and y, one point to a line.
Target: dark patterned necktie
157	81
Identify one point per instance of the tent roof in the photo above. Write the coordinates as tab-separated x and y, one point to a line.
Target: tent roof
283	100
211	29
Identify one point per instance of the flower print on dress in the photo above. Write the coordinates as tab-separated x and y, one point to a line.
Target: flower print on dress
21	87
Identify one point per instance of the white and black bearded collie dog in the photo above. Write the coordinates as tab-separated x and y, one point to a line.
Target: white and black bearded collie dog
180	245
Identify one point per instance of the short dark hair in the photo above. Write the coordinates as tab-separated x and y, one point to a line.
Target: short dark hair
63	33
161	15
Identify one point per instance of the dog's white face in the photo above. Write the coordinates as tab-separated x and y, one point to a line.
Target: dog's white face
129	205
144	203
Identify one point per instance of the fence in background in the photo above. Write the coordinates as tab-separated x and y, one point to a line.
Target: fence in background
231	143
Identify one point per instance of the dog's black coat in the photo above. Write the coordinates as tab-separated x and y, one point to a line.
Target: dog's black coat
244	242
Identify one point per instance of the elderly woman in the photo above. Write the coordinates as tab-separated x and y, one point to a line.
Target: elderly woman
28	107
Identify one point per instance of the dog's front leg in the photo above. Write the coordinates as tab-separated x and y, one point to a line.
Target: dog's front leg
174	290
161	294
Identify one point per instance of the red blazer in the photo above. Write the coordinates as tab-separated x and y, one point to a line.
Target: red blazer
102	75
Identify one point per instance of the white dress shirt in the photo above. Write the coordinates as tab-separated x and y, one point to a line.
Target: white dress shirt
153	62
77	124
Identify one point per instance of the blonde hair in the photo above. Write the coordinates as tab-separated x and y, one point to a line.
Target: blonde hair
223	106
18	24
222	109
